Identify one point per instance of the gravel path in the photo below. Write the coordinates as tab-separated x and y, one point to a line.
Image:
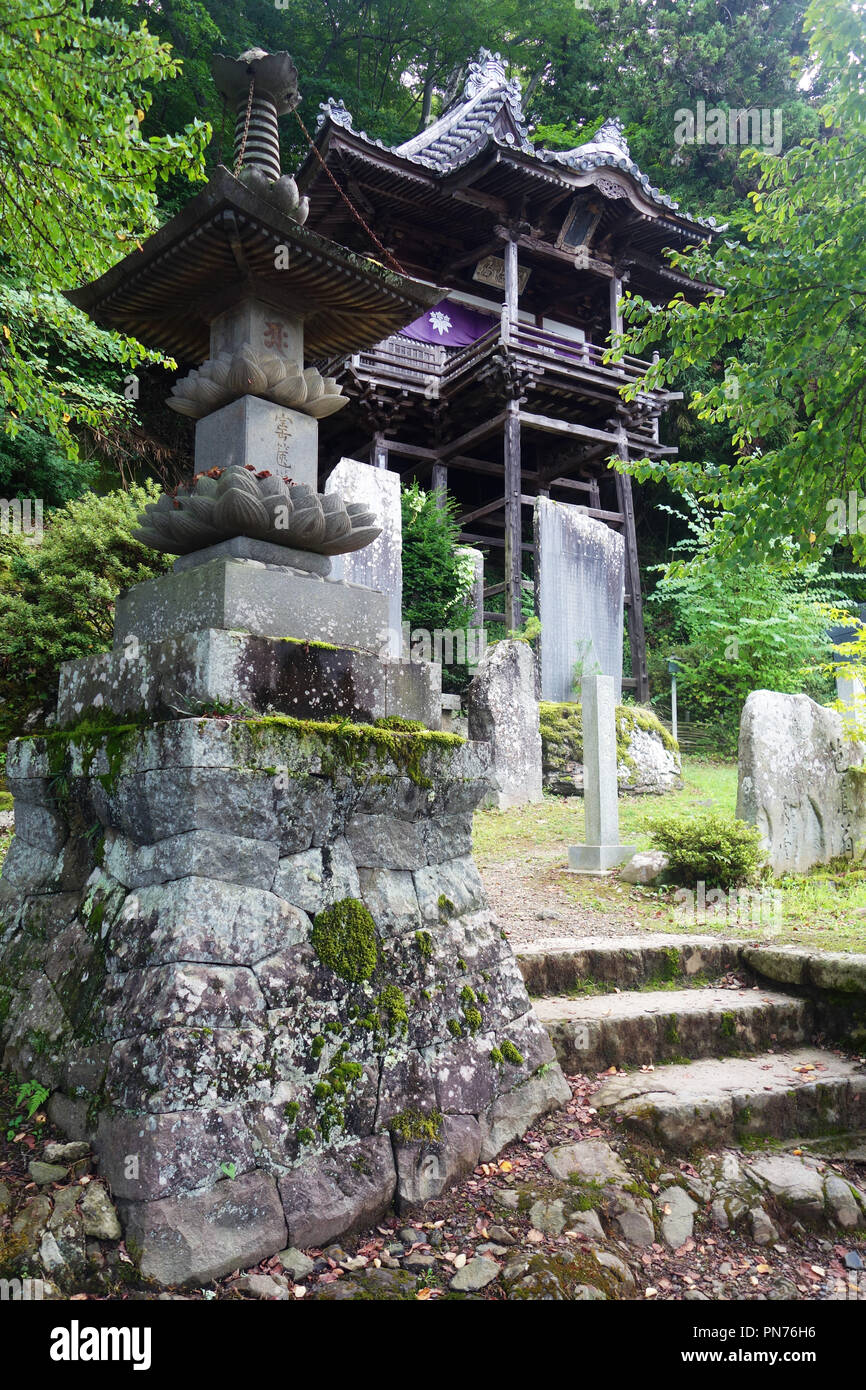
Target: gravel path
532	905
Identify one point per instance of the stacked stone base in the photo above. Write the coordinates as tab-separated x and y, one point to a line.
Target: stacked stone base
251	1069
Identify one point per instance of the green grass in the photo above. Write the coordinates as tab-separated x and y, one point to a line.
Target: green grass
825	908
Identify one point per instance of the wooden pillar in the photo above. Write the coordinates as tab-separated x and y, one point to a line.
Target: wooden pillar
615	312
636	635
513	518
509	305
379	450
439	481
513	479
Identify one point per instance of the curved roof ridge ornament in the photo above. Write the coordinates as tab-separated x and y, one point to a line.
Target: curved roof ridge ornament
336	111
611	132
484	69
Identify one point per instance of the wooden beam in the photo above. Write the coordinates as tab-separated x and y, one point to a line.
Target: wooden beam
475	436
379	450
471	539
498	588
495	506
549	425
575	483
439	482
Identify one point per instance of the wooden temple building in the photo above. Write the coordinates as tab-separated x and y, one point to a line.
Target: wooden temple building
500	393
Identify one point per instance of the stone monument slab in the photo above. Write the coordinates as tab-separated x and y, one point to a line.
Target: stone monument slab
602	850
379	565
503	712
580	589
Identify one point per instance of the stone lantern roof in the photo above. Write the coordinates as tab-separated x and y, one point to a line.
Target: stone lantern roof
244	237
224	245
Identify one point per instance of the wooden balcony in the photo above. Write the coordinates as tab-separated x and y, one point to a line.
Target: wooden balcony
552	364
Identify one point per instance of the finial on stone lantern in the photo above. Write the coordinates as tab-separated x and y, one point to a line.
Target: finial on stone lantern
262	87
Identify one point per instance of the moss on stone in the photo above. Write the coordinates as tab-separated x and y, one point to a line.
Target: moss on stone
510	1053
454	1028
424	942
413	1124
471	1011
393	1012
562	734
399	725
344	939
342	744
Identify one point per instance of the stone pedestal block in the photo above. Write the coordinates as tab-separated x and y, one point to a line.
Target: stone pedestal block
244	596
265	552
244	942
198	670
269	436
265	328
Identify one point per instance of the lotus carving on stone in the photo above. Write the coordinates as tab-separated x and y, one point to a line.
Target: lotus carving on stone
247	372
238	501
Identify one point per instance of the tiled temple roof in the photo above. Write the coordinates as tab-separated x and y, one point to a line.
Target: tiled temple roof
490	112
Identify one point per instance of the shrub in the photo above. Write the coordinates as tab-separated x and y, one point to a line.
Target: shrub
707	848
57	597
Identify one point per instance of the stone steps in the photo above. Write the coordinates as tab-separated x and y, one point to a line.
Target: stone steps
561	965
641	1028
717	1102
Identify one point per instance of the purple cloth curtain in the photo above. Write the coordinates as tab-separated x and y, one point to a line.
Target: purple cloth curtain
451	324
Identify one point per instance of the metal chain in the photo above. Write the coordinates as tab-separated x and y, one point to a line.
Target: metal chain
240	159
353	210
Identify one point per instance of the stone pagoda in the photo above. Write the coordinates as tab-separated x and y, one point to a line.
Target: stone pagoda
242	936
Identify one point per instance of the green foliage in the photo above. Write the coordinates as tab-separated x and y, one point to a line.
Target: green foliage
29	1097
57	597
31	465
229	1170
79	184
790	326
738	628
707	847
436	578
344	939
510	1053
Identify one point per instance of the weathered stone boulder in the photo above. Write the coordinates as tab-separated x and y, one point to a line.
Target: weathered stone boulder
503	712
248	955
646	867
801	782
648	759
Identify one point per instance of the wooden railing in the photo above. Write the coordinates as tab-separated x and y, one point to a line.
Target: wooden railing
434	371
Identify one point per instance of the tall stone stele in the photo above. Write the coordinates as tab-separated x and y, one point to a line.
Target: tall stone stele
244	941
